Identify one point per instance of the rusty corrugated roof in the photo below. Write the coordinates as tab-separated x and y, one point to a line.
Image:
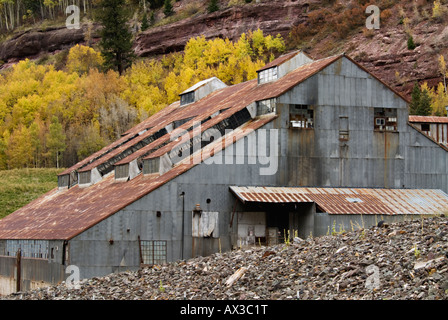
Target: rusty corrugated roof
63	214
352	200
428	119
279	60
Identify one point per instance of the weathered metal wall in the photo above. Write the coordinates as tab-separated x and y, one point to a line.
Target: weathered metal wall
33	273
317	157
326	224
426	163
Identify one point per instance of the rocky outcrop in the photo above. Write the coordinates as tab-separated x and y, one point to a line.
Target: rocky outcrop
273	17
32	43
385	53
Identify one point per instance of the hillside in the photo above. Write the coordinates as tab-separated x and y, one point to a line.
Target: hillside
18	187
401	261
320	27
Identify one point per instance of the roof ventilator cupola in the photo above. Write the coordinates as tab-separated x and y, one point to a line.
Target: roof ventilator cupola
200	90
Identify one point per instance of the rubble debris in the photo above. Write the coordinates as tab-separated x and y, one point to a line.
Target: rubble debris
362	264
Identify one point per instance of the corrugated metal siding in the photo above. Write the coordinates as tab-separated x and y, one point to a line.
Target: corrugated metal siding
351	200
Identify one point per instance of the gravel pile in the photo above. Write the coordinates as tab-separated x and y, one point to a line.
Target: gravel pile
406	260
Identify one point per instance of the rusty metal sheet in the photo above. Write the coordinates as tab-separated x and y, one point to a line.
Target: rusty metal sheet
428	119
63	214
279	60
150	122
352	200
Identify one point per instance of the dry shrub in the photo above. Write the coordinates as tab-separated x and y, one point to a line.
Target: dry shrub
385	14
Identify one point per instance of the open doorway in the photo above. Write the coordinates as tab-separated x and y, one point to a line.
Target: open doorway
275	223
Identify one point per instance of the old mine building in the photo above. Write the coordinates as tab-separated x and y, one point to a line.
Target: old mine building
307	146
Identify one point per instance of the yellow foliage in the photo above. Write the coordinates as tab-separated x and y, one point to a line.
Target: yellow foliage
82	58
439	99
86	101
437	10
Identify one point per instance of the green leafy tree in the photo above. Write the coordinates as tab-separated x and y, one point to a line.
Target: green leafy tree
19	151
55	140
116	38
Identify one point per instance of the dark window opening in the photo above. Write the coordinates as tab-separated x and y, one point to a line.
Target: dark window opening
187	98
385	119
301	116
425	127
151	165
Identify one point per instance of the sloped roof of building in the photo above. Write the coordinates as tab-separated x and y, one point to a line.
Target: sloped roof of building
281	59
65	213
352	200
427	119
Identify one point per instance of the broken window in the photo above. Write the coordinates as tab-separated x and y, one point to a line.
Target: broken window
301	116
153	251
265	106
385	119
187	98
267	75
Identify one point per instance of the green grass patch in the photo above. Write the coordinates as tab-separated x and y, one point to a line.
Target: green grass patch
18	187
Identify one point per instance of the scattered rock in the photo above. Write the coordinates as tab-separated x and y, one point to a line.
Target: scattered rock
358	265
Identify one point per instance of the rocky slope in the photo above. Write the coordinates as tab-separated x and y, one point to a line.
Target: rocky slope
406	260
273	17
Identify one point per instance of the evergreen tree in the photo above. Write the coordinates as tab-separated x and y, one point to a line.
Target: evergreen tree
145	23
213	6
425	103
411	44
415	99
116	38
168	8
420	102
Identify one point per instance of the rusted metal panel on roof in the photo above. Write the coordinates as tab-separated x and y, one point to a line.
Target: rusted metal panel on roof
63	214
428	119
352	200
